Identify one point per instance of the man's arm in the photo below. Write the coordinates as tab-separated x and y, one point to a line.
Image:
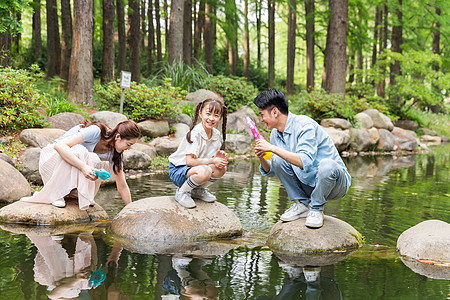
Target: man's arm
264	146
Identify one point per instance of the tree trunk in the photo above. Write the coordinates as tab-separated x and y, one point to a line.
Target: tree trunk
246	41
176	31
151	38
310	44
122	56
158	34
292	27
375	35
166	24
208	36
15	38
271	25
385	27
396	40
81	77
143	24
258	32
36	34
351	68
53	41
436	35
198	29
231	36
359	66
108	41
5	48
134	40
187	32
336	58
66	36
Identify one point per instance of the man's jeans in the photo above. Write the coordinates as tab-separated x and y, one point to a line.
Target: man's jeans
332	183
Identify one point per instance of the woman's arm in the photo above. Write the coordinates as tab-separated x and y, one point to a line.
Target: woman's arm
63	149
122	186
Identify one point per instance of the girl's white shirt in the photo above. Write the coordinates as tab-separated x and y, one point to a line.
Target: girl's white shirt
201	146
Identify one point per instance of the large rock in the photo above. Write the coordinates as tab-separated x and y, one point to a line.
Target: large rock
137	160
340	138
374	135
109	118
146	148
180	130
5	157
294	242
407	124
237	121
364	120
30	162
386	141
404	139
379	120
165	145
431	140
425	243
336	123
47	214
65	120
163	223
40	137
201	95
154	128
238	143
185	119
13	185
360	140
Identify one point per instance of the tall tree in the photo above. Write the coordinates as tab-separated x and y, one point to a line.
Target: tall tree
187	32
166	26
199	24
36	32
258	32
81	77
176	31
292	27
436	35
335	55
310	44
230	28
246	40
53	40
134	39
122	55
271	27
143	24
396	41
378	16
10	26
151	38
158	34
209	34
15	38
66	35
108	57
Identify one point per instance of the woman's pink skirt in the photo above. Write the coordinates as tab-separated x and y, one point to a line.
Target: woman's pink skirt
60	178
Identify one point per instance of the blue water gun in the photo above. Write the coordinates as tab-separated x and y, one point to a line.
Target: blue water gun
101	173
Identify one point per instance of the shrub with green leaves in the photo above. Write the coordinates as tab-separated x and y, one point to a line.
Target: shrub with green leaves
19	100
140	101
236	91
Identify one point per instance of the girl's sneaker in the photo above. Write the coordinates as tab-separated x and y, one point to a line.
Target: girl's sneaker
184	198
203	194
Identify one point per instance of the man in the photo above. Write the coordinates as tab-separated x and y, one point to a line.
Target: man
305	159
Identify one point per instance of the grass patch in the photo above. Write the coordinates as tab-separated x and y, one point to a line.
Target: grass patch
160	162
438	122
12	149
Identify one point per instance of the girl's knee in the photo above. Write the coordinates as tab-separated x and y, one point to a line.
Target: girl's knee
204	173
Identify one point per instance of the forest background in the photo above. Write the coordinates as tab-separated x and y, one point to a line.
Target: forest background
333	58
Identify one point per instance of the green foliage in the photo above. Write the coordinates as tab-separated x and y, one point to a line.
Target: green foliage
19	100
188	109
8	19
59	104
236	91
12	149
140	101
160	162
320	105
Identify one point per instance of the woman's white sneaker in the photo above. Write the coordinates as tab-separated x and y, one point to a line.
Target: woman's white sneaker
59	203
314	219
296	211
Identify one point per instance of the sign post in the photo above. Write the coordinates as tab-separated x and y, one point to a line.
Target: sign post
125	81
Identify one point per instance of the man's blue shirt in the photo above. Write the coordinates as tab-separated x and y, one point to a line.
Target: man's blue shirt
304	136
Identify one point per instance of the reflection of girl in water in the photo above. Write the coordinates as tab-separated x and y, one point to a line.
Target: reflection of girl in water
64	271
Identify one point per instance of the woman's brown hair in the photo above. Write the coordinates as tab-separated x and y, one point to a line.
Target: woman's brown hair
126	129
214	105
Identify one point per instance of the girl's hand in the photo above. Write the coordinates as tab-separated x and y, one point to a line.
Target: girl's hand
220	162
222	154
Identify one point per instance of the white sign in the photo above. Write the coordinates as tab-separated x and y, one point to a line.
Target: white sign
125	80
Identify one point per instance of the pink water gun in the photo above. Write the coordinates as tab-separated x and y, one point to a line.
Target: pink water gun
257	135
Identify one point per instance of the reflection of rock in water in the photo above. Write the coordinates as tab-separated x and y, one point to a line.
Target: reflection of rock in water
368	171
239	172
427	269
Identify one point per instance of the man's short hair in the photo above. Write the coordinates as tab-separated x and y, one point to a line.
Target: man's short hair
272	98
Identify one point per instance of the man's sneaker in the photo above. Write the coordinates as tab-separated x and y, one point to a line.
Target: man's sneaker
203	194
296	211
59	203
314	219
311	273
184	198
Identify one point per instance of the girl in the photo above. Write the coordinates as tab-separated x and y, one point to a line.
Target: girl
68	164
200	160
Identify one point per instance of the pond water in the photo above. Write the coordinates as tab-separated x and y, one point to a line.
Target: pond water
388	195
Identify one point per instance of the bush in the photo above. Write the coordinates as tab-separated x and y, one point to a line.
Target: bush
320	105
236	91
140	101
189	78
19	100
